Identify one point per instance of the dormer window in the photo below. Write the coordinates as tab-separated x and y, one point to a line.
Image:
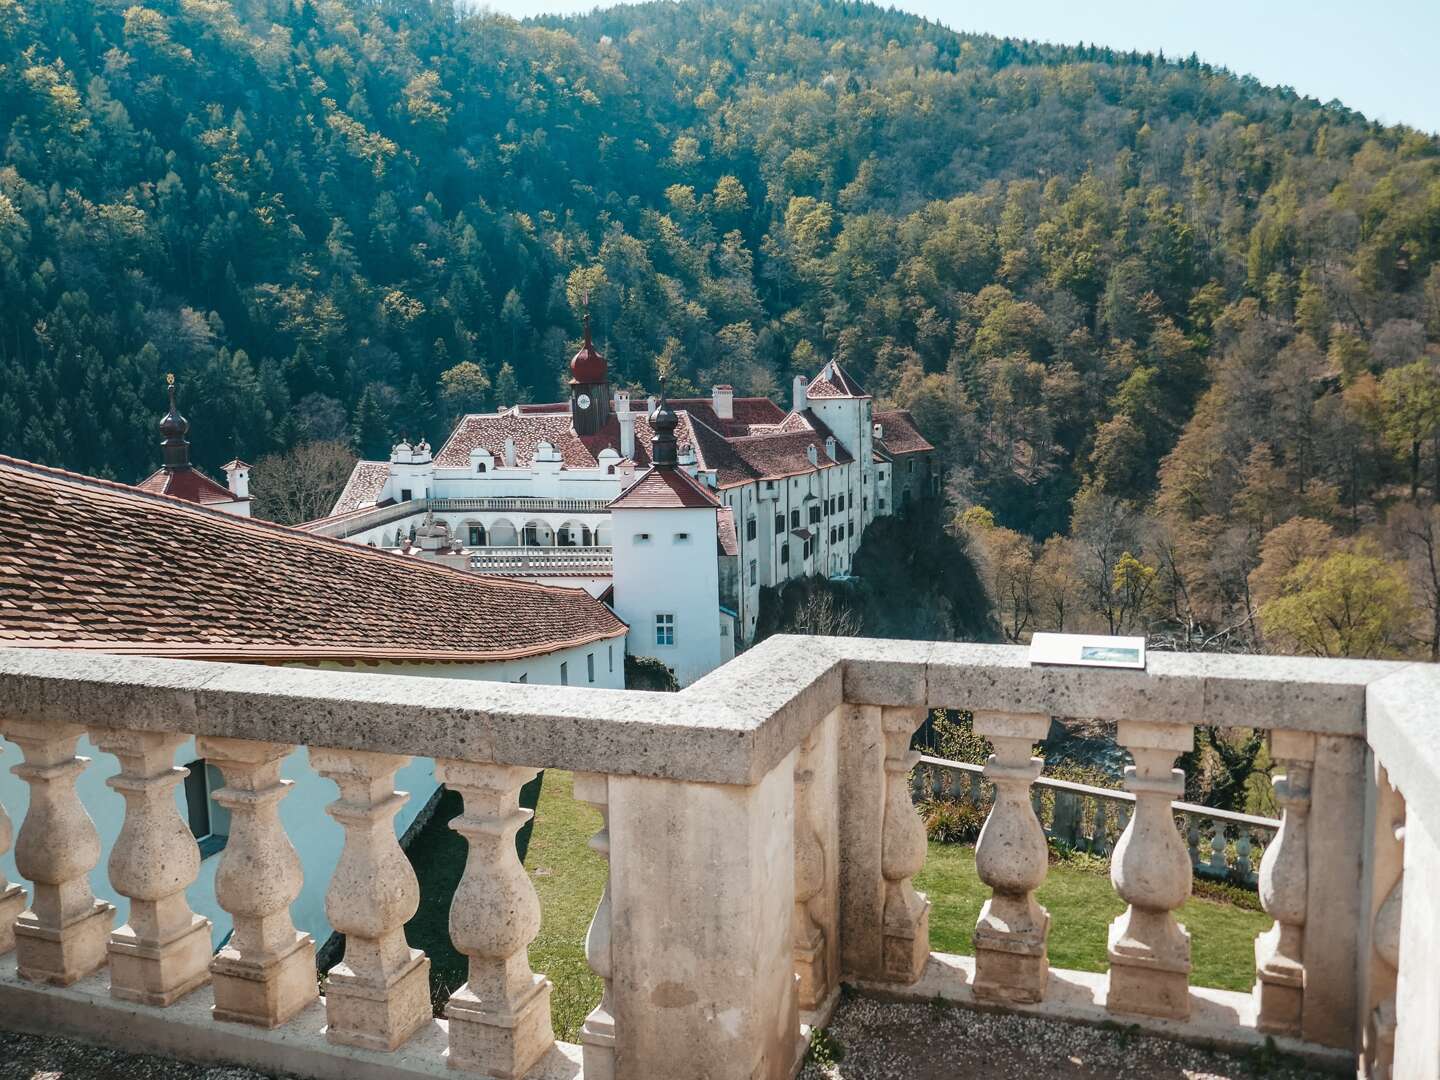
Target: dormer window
404	494
480	466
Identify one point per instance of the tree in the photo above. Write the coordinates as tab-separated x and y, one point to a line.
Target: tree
1352	603
1412	402
301	484
1415	534
464	388
370	429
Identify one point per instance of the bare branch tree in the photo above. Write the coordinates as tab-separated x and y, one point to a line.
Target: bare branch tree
303	483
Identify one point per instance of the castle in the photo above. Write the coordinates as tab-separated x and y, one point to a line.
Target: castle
676	512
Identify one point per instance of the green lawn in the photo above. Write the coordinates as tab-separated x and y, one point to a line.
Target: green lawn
568	877
1082	904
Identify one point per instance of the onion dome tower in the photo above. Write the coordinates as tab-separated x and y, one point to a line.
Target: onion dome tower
664	451
173	429
589	387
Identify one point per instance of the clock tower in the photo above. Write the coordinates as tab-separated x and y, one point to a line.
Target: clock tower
589	388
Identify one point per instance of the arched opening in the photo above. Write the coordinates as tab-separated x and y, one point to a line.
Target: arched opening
602	533
503	533
575	534
475	534
537	534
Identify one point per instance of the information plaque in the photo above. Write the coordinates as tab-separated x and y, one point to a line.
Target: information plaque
1088	650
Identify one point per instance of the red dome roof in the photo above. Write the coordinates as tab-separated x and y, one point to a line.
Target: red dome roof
587	365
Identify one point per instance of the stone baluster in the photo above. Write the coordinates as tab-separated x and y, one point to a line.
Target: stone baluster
810	947
12	896
597	1034
1388	861
500	1018
1011	962
1242	854
62	937
1099	842
164	951
265	974
1284	885
379	995
1150	869
1192	837
1218	866
902	854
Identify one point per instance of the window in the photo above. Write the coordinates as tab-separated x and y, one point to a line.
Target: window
832	534
840	503
785	552
480	466
750	528
209	821
642	538
664	629
611	650
404	494
880	503
807	549
850	529
754	571
477	535
682	538
910	466
590	666
865	503
532	535
815	513
564	673
794	519
779	524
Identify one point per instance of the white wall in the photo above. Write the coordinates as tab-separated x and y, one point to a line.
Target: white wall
316	836
666	576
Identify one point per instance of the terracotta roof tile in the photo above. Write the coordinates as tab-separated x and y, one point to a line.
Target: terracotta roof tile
363	488
900	435
834	382
88	564
727	540
661	489
189	484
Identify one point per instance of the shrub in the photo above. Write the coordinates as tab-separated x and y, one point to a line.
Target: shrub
950	822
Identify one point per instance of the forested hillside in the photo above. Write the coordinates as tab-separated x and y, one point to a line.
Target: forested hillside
1183	324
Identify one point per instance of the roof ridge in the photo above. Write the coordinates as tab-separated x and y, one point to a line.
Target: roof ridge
113	488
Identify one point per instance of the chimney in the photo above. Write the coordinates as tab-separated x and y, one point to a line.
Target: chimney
830	447
723	399
878	430
650	405
812	454
800	399
509	452
627	424
237	478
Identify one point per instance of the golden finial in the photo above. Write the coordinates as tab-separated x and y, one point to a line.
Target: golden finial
170	379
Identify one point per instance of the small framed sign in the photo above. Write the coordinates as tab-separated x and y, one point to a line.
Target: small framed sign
1088	650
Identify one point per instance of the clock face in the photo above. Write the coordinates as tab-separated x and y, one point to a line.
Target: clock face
583	401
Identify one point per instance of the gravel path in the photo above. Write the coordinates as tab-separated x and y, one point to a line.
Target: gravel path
30	1057
885	1041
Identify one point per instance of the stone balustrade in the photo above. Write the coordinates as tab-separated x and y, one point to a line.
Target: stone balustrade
578	561
785	865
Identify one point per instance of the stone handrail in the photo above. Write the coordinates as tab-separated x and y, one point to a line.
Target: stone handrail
580	561
765	771
1089	818
343	525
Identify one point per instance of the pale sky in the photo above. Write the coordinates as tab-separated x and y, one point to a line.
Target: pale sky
1381	57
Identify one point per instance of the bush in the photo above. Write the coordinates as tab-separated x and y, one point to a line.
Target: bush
647	673
950	822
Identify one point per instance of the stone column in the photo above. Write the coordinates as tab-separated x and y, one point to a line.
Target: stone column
379	995
1284	871
597	1034
62	938
12	896
810	952
164	951
1150	869
1011	856
902	853
266	973
1387	904
500	1018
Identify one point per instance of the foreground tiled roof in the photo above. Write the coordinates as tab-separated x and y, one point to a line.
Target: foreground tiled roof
363	488
88	564
901	436
665	489
189	484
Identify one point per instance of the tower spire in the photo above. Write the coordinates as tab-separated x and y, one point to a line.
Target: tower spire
173	429
664	451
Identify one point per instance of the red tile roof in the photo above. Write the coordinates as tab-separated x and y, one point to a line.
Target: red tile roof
87	564
366	482
189	484
727	540
665	489
899	433
834	382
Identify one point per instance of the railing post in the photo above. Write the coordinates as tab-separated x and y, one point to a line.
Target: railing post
500	1018
12	896
379	995
164	951
1150	869
597	1034
1284	885
703	979
266	973
902	853
1011	856
817	955
1387	863
63	937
